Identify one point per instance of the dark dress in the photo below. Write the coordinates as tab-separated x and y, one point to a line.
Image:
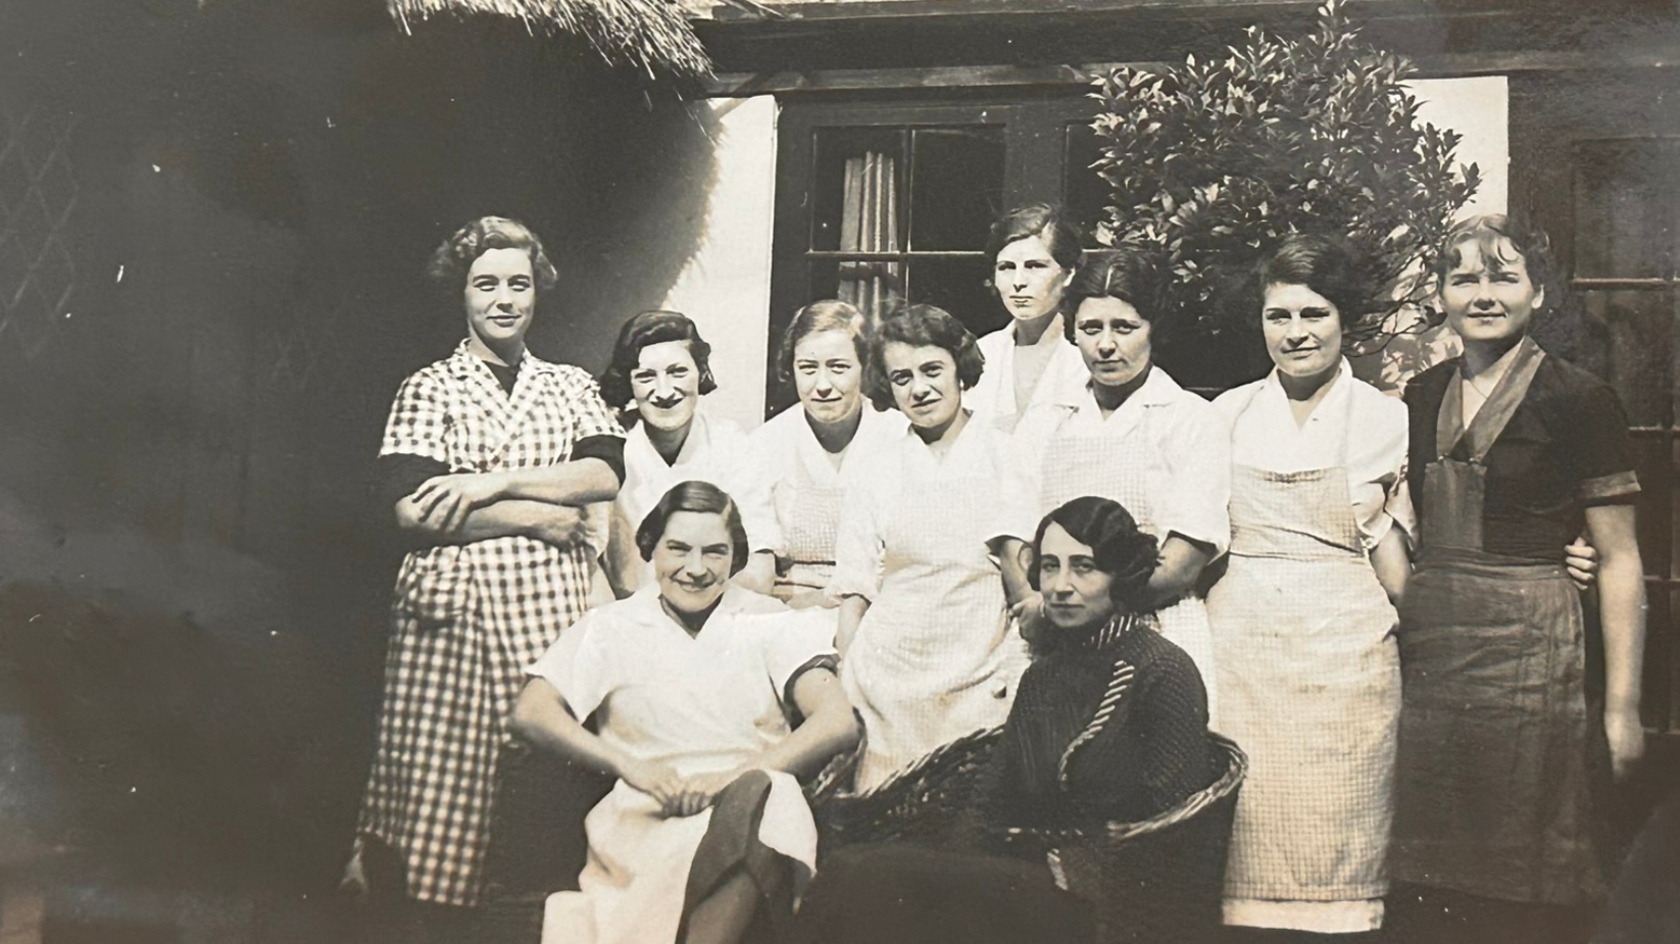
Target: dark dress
1108	727
1498	746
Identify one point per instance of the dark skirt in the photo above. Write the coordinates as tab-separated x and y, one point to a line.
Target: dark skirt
1498	748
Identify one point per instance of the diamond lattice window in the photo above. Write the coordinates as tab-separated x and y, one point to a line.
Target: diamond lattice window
37	204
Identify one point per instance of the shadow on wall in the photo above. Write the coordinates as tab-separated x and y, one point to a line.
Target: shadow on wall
193	450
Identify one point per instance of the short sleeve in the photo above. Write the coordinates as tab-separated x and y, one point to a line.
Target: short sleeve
578	667
592	415
858	545
419	421
1198	493
1599	447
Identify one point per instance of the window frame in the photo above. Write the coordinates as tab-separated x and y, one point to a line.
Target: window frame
1034	137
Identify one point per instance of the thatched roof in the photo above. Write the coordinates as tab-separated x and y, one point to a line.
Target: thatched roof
652	35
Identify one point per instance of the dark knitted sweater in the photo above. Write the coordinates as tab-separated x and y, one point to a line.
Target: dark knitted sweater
1112	726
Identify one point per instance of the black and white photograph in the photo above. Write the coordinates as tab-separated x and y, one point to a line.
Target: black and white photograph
839	471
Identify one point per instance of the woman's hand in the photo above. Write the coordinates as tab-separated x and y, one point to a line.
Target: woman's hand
445	500
1029	616
1581	560
1627	741
700	790
561	526
656	779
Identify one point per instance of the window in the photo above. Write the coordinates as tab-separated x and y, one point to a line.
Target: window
884	204
1627	280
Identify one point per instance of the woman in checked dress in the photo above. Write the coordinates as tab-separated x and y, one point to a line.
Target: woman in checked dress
487	458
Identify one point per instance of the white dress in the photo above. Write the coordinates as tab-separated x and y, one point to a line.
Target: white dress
1309	667
700	703
993	398
806	486
935	656
1164	455
716	451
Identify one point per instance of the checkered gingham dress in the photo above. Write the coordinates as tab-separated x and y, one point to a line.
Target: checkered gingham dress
467	620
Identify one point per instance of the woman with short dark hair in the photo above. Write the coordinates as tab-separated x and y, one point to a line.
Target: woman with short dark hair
927	557
1130	433
811	444
708	700
1309	676
488	457
1035	252
660	370
1109	725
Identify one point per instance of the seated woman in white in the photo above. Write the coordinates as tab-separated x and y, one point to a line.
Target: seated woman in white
660	369
808	446
709	700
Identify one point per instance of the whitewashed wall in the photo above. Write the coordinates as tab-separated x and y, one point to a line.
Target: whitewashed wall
725	287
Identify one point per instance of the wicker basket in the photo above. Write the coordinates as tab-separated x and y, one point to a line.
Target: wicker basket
1159	880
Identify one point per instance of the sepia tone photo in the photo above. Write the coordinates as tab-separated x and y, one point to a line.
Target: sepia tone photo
831	471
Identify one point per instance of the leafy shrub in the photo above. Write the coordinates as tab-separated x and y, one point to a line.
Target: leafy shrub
1210	162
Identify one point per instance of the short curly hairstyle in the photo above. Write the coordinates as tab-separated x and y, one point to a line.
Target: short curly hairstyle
921	326
827	315
1490	232
701	497
644	330
1328	266
1130	275
453	258
1120	548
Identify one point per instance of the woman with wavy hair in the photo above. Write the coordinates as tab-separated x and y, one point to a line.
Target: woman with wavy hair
488	458
1109	725
659	375
1513	451
927	561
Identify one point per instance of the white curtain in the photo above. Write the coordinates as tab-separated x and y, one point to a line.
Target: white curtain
870	224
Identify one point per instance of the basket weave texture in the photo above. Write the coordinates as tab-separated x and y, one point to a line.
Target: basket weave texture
1158	880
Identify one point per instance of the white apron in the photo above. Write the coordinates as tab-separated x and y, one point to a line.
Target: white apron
1311	689
1076	465
936	655
809	512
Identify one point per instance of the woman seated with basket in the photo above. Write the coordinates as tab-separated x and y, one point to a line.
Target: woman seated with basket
1014	834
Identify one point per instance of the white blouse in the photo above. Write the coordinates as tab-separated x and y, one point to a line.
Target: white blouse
994	396
875	489
1355	426
790	450
716	451
1178	436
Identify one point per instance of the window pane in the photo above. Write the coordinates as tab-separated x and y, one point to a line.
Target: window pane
957	187
958	286
1084	193
857	194
1622	210
1630	349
